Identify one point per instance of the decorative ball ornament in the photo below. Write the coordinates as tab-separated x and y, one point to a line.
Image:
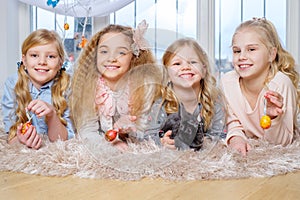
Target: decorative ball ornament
111	135
25	127
66	26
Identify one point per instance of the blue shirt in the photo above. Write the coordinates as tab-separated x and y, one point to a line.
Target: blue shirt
9	106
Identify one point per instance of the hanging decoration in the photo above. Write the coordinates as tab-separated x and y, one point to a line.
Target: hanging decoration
66	26
52	3
83	42
77	8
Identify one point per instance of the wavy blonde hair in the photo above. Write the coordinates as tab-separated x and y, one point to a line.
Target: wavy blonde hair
61	80
284	61
86	74
146	85
209	92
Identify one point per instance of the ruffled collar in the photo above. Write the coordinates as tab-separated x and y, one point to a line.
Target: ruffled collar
109	102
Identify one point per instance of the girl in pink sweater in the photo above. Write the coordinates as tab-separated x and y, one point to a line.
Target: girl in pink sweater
264	82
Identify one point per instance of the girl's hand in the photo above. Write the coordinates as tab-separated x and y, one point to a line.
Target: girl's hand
274	104
41	108
119	144
30	138
125	124
167	142
239	144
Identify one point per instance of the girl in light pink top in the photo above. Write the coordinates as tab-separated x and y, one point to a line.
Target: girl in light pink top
264	82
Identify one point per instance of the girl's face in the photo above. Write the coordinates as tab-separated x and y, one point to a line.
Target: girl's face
251	58
185	69
42	63
113	56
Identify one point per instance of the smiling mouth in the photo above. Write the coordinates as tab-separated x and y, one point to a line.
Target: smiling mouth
244	66
186	76
112	67
42	70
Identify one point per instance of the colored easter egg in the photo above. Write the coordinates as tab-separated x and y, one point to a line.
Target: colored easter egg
265	122
66	26
25	127
111	135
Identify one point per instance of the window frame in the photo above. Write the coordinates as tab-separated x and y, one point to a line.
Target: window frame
206	16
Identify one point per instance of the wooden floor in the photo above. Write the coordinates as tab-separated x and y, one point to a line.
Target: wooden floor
22	186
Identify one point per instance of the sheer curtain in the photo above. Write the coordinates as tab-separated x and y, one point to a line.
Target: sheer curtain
80	8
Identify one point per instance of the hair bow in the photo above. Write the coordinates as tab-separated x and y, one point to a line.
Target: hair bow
140	43
19	64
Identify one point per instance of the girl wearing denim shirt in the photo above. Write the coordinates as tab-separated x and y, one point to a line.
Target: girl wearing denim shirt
38	92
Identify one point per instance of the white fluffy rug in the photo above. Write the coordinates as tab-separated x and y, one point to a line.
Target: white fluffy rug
100	160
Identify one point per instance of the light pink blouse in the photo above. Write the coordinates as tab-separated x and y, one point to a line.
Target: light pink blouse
244	122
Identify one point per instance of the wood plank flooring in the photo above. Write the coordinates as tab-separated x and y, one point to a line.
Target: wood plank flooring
15	186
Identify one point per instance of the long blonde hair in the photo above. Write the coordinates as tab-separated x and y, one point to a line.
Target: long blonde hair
61	80
209	93
86	74
146	85
284	61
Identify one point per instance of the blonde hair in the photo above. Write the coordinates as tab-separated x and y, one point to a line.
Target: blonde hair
284	61
146	85
61	80
145	88
86	74
209	93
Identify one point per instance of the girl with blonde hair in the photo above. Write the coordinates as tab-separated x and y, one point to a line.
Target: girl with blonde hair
193	101
96	95
262	92
37	93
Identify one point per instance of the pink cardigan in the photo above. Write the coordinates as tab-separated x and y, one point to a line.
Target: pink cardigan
244	122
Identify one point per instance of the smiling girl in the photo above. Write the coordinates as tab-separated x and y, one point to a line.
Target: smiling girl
264	83
97	96
37	93
193	100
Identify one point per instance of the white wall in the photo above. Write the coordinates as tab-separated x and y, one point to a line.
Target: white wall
14	20
9	38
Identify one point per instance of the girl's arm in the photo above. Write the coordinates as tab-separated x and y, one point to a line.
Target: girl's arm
283	125
56	130
234	127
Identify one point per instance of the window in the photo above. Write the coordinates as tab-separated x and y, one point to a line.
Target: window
71	35
172	19
231	13
168	20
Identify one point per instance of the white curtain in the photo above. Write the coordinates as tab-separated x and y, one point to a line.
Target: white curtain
81	8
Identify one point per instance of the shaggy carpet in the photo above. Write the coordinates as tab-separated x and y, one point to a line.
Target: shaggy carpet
100	160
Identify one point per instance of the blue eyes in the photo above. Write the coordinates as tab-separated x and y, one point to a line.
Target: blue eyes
190	62
119	53
49	56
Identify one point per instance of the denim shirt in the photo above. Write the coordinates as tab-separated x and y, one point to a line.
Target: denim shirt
44	94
